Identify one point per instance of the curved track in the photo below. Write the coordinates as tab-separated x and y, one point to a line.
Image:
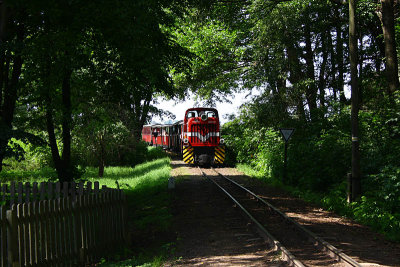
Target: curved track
299	247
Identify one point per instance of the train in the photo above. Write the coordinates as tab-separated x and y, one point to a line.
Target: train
197	137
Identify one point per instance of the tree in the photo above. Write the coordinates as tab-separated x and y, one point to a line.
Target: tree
126	49
12	34
217	61
387	17
353	51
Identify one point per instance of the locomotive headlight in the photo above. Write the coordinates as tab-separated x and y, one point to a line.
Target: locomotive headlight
185	141
204	117
221	141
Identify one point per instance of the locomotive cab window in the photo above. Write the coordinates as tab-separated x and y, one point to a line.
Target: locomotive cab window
191	114
211	114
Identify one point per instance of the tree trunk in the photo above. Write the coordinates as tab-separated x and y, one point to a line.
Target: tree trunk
295	77
143	114
333	71
53	141
9	87
355	159
321	82
66	126
3	20
388	19
62	164
311	94
340	58
101	156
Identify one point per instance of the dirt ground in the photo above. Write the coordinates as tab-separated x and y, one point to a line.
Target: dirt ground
211	233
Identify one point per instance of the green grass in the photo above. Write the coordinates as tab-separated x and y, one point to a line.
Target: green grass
146	173
250	171
148	207
149	216
40	175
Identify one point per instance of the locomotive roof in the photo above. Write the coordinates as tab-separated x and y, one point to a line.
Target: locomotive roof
202	108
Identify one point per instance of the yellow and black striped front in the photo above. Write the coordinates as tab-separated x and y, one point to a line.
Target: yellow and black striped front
219	154
188	154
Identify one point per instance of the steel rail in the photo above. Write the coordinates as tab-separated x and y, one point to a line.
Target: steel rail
332	251
286	254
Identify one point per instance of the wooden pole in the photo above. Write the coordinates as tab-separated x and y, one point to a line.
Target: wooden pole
284	180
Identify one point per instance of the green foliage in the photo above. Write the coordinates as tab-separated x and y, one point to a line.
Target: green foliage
216	53
316	158
17	143
379	207
319	159
154	153
259	147
89	72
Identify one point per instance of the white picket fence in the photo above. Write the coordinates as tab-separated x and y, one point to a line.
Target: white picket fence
50	225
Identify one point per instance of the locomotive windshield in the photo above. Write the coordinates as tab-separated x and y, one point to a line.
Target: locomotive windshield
199	113
210	114
192	114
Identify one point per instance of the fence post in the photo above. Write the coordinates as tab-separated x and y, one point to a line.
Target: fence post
12	193
58	190
27	192
12	237
3	233
42	190
50	190
96	187
73	191
79	238
126	236
35	191
20	192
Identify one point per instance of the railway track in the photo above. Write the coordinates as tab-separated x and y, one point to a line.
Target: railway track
298	246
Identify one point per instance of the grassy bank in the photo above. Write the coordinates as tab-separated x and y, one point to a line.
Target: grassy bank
148	213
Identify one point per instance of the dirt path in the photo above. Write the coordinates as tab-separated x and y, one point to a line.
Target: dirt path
210	232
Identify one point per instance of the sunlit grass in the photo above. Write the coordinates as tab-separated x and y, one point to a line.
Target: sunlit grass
250	171
41	175
128	177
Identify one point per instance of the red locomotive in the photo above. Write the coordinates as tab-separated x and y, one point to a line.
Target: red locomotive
197	137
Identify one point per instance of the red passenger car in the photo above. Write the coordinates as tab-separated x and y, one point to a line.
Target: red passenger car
146	134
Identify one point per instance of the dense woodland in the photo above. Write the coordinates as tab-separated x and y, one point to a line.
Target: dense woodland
79	79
